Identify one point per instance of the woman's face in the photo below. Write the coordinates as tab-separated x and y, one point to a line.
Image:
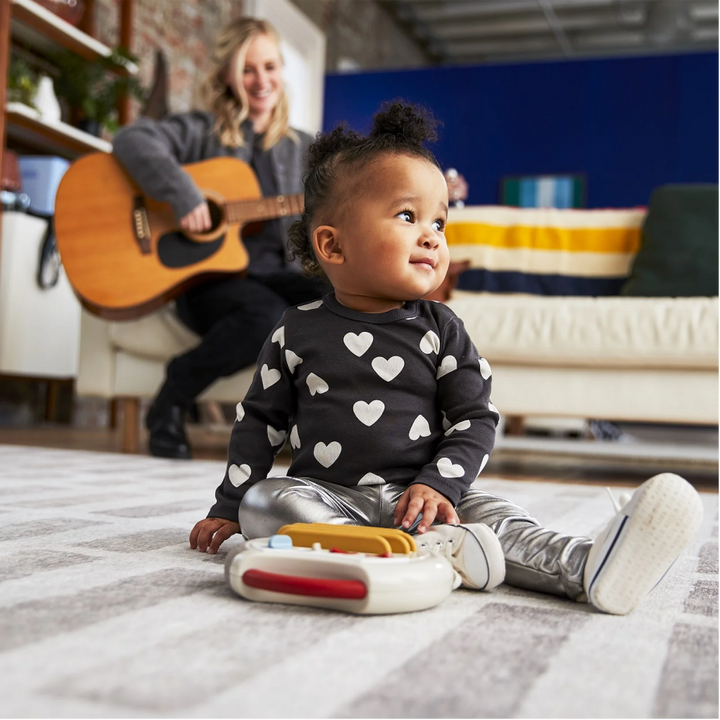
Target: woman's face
261	78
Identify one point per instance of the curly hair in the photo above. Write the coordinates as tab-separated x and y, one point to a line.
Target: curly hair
399	128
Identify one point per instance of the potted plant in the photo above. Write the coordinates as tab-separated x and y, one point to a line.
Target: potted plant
93	90
22	82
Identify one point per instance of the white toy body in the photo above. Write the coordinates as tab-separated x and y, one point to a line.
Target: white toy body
354	582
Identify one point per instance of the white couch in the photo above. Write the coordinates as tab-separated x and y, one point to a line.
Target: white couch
614	358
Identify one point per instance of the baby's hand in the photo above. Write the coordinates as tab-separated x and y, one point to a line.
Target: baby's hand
423	499
209	534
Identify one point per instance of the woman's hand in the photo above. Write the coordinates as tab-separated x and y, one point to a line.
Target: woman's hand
457	186
197	220
423	499
209	534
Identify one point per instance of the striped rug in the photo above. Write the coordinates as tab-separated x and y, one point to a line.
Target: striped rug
105	612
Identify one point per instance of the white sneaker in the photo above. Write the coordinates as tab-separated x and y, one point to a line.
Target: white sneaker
473	550
638	546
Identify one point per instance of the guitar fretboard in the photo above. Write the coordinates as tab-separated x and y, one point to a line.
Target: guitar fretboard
244	211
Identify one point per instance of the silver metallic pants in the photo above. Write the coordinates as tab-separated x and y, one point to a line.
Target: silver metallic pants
535	558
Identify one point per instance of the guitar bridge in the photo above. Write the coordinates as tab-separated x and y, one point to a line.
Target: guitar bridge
141	226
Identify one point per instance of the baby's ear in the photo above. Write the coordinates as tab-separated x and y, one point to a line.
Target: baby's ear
326	246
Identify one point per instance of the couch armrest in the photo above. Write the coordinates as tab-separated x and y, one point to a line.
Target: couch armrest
96	367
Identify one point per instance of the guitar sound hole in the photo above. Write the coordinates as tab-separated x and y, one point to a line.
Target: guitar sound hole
174	250
216	216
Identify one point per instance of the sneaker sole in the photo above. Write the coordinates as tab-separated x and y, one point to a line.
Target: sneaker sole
650	533
485	552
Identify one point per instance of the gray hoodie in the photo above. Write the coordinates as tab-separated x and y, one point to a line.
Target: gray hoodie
152	152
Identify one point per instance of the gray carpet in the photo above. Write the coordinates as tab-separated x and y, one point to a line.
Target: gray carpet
105	612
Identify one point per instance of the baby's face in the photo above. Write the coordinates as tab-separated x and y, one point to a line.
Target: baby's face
392	235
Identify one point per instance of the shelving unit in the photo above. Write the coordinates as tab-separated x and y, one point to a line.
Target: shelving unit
25	124
28	24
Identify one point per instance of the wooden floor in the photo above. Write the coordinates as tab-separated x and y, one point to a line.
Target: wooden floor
210	443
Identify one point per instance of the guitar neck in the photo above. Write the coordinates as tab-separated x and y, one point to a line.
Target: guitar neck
266	208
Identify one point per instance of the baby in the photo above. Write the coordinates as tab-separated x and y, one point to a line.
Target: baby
386	402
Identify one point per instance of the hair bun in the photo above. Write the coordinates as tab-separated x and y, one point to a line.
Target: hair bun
407	123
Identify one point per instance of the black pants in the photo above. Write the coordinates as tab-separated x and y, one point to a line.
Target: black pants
234	317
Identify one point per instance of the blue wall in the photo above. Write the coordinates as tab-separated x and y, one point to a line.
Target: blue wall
629	124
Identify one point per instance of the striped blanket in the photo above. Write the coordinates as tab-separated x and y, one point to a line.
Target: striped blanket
544	251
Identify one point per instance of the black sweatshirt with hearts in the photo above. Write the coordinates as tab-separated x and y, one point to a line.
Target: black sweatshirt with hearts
364	399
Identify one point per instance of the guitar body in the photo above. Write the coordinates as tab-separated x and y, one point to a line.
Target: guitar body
118	275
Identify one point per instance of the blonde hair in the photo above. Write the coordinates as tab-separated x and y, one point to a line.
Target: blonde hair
230	113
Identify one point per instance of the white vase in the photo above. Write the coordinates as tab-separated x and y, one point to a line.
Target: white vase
46	101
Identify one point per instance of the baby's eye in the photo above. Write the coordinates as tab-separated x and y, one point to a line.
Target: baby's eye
439	225
406	215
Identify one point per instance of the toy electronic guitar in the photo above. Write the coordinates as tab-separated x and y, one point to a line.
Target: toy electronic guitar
123	251
364	570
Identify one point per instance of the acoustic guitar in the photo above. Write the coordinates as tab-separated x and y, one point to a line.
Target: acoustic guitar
124	253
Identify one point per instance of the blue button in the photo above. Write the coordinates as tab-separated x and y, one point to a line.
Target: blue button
280	542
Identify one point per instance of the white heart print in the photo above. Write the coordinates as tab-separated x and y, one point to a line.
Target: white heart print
485	369
268	377
294	438
276	437
326	455
239	411
279	336
368	413
388	370
430	343
316	384
238	475
420	428
371	479
462	425
448	365
292	360
448	470
483	463
493	408
311	306
445	422
358	344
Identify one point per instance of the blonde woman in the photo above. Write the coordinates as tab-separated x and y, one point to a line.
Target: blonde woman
247	119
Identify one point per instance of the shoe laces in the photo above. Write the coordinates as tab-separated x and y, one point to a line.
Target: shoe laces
439	547
620	502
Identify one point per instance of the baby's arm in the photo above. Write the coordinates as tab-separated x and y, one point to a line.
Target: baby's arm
257	436
469	421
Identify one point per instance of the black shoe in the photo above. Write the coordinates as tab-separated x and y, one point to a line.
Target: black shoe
167	431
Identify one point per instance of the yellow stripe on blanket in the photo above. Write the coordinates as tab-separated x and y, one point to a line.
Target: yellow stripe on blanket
613	231
544	262
580	240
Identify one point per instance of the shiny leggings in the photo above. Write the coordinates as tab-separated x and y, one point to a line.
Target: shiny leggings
535	558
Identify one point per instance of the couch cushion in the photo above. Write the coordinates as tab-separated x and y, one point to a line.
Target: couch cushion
597	332
545	251
159	336
678	256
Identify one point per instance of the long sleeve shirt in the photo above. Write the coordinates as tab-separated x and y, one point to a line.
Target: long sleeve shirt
153	151
364	399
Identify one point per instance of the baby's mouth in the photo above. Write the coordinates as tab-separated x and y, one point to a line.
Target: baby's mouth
424	261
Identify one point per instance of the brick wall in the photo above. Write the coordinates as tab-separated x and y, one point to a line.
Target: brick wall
359	33
183	30
363	33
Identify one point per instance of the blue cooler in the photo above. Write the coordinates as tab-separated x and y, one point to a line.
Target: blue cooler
41	175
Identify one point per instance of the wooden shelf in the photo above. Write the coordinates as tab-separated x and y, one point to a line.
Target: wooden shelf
41	29
23	123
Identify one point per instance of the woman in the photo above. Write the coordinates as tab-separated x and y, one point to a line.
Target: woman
248	119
